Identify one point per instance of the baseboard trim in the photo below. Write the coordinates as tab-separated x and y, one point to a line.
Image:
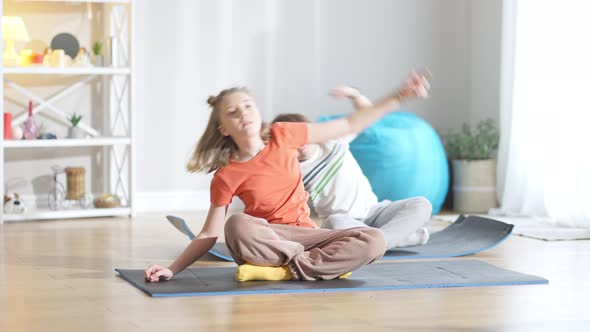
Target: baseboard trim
172	201
177	201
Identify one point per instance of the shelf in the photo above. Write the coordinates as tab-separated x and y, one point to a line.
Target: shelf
66	71
67	214
43	143
113	102
79	1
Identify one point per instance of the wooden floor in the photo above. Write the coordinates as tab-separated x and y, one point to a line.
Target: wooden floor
58	276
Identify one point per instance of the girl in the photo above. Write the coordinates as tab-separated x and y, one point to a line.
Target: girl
341	194
275	239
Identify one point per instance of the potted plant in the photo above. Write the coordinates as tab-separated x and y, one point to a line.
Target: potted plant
472	152
97	51
74	131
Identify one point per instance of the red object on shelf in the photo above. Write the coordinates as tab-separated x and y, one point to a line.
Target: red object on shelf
7	125
38	58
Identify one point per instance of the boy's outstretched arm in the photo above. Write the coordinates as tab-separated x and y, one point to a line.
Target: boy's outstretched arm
358	100
197	248
416	86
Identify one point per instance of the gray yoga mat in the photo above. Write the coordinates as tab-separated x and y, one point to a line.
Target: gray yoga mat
388	276
466	236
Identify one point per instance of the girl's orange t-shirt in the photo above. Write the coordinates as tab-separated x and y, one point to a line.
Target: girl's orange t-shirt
270	183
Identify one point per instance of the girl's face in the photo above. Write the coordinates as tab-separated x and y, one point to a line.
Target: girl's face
239	116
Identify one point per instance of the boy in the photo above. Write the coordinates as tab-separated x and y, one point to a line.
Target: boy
342	196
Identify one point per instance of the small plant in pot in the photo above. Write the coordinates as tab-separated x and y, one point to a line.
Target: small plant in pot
74	131
472	152
97	51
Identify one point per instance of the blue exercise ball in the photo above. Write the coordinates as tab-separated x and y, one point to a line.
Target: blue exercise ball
402	156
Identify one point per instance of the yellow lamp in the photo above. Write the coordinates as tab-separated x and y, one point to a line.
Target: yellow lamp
13	28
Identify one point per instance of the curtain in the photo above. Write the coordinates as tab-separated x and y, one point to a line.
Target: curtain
544	155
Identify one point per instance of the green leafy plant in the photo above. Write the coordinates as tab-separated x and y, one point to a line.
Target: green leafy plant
472	143
75	119
97	48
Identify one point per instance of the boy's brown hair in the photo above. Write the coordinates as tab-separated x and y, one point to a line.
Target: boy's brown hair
291	117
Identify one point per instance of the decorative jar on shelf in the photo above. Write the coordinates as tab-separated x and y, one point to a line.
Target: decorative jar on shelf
30	130
75	182
76	132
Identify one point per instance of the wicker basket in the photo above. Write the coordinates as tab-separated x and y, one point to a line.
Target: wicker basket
107	201
76	182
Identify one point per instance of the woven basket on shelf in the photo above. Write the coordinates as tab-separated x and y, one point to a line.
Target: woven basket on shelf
107	201
76	182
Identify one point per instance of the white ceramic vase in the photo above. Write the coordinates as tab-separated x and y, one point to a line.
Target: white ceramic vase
76	132
474	185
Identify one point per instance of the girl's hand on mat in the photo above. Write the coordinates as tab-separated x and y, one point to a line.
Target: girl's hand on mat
155	273
416	86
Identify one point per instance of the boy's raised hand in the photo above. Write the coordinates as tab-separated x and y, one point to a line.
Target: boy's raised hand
416	86
344	91
358	99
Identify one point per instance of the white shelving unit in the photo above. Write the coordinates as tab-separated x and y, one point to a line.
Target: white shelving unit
118	146
48	143
66	71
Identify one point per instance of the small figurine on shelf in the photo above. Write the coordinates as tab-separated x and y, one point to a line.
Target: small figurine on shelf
47	136
30	131
17	132
58	58
13	204
82	59
74	131
26	57
97	50
47	57
38	58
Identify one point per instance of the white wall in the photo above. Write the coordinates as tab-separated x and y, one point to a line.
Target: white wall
485	40
289	53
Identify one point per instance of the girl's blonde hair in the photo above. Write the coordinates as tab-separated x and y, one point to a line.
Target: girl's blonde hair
214	150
